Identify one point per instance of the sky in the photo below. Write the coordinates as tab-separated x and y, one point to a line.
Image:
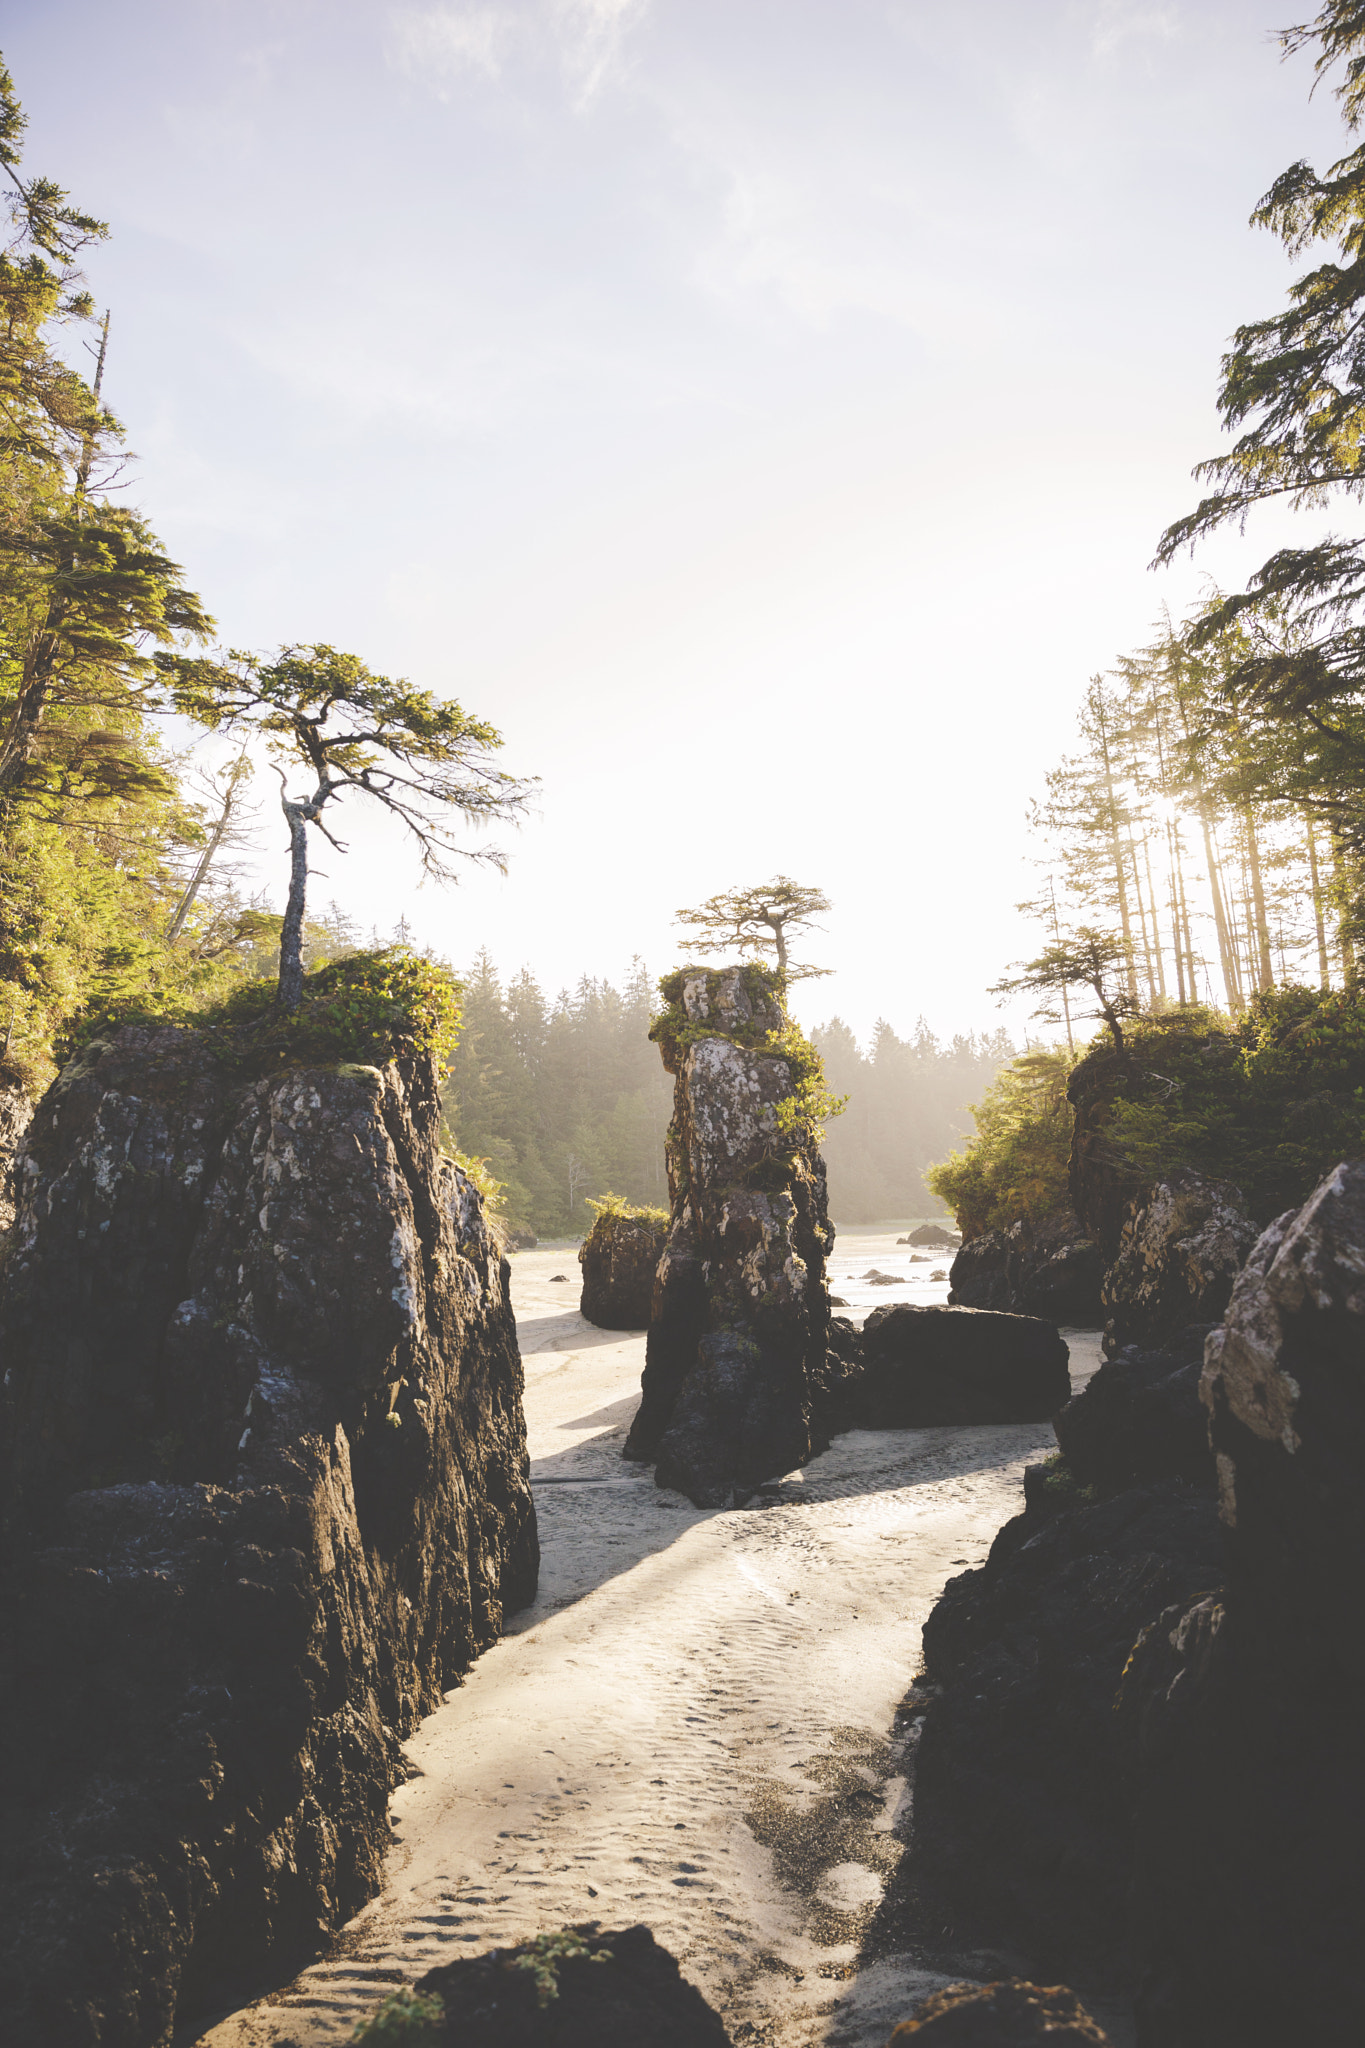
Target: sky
763	411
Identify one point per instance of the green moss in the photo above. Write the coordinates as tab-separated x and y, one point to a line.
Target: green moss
1270	1102
546	1952
800	1115
358	1011
614	1206
406	2019
1061	1486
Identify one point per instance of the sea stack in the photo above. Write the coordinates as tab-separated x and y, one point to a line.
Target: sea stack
738	1378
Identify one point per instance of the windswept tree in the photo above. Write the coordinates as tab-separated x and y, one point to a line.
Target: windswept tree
1085	959
752	920
424	761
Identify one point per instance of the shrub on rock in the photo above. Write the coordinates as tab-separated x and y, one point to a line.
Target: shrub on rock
584	1988
1007	2014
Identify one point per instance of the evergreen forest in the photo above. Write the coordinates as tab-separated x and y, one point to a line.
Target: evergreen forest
566	1100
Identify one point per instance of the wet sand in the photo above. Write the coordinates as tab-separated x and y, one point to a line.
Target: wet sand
692	1725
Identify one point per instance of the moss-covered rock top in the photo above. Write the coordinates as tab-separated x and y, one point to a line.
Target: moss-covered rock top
364	1010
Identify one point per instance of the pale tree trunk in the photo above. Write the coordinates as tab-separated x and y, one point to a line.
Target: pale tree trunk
1116	843
1267	965
1344	941
290	992
1319	922
200	875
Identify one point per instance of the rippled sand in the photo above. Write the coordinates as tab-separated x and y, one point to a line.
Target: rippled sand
692	1725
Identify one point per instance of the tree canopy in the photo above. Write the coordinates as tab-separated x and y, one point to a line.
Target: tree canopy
754	920
424	760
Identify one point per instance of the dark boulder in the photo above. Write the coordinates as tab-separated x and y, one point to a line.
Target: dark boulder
1007	2014
932	1233
264	1468
611	1989
1140	1417
736	1373
1180	1248
619	1257
1045	1266
1022	1824
1242	1713
928	1365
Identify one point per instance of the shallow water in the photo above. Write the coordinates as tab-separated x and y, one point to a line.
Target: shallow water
691	1726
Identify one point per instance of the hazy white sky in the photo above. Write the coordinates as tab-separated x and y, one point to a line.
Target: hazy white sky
763	410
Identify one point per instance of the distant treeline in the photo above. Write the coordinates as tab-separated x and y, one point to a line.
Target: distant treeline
909	1106
566	1098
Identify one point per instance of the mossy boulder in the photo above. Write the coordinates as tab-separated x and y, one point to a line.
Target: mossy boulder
619	1257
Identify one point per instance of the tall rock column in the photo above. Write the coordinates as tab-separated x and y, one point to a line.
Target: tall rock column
738	1383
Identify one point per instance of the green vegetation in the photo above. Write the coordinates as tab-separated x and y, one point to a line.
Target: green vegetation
1016	1165
543	1955
406	2019
801	1114
1270	1101
361	1009
617	1206
113	898
359	734
752	920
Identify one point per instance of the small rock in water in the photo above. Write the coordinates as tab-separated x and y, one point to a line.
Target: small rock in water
837	1301
883	1279
558	1276
939	1273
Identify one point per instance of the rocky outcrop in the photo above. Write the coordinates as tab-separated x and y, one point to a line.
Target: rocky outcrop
1242	1710
934	1365
1038	1267
264	1468
1006	2014
932	1234
619	1257
16	1113
1139	1418
610	1989
1022	1823
735	1377
1180	1249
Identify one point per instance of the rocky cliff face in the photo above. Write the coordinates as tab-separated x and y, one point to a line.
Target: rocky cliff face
737	1378
16	1110
1242	1710
264	1467
1180	1248
1043	1266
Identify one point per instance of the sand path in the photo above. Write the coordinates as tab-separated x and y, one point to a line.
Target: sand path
691	1726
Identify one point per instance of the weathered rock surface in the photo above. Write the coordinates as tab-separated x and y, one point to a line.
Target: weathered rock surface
736	1375
1007	2014
16	1112
1180	1249
1243	1711
264	1473
930	1365
1140	1417
1038	1267
619	1257
1022	1822
628	1990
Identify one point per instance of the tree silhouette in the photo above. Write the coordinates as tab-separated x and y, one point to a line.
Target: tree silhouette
420	759
751	920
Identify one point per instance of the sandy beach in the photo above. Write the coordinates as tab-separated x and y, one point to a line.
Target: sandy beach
692	1726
